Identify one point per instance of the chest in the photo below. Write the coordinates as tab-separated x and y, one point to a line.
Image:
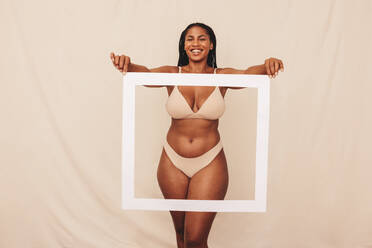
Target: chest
205	102
192	93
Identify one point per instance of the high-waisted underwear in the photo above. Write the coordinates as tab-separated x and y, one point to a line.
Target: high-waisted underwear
190	166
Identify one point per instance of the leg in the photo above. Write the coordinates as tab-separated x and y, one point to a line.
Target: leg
210	183
173	184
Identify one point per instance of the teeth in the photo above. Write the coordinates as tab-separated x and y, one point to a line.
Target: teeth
195	51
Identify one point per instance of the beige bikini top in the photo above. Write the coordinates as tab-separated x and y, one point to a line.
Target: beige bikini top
212	108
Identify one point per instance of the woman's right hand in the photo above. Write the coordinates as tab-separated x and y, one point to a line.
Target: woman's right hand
121	62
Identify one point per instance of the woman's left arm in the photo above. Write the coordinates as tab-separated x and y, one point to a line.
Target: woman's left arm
271	68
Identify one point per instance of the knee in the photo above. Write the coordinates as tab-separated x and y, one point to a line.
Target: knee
194	241
180	232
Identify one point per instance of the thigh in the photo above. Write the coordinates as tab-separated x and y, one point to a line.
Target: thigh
172	181
174	185
210	183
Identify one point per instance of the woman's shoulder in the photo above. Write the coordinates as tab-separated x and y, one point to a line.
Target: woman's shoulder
165	69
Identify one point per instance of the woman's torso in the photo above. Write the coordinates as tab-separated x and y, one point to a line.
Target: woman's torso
196	134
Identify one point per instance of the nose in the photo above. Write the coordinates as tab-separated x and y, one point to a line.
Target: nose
195	42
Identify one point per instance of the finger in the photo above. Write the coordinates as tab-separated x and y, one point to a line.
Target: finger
276	67
126	65
267	68
116	61
121	62
272	68
281	65
112	57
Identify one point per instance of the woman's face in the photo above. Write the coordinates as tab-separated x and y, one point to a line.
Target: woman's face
197	44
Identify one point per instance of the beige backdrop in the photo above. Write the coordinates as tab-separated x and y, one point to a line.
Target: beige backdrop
60	108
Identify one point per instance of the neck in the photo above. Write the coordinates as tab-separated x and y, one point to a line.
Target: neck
197	67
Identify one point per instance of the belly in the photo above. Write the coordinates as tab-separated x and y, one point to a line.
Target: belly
193	137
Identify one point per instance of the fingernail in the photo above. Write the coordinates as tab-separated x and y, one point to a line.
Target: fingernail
276	73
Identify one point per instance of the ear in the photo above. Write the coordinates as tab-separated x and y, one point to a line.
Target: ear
211	46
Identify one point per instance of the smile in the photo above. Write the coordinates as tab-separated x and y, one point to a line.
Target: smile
196	51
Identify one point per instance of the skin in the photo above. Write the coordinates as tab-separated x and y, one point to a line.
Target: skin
194	137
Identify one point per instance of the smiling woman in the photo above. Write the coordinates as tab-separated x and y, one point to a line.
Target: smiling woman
197	41
193	163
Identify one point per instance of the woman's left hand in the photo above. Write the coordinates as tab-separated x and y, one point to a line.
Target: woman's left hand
273	66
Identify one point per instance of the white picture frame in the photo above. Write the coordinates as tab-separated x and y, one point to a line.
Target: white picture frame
261	82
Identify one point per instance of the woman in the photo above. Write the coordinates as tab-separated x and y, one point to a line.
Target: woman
193	164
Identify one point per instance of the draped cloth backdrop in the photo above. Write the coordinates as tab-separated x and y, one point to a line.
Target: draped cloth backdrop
60	105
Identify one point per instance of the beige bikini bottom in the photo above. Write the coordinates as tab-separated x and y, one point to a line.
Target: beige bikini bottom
190	166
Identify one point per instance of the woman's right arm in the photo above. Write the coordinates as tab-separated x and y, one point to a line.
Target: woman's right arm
123	64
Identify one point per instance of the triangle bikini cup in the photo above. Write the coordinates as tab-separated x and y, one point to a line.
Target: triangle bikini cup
212	108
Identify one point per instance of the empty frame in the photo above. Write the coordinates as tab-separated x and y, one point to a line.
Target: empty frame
261	82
